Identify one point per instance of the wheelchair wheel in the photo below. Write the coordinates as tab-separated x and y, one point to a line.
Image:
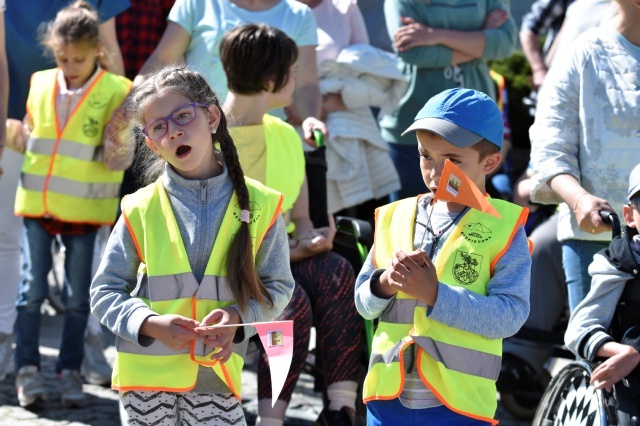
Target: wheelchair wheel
570	400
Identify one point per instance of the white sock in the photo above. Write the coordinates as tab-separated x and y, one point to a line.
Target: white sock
269	421
342	394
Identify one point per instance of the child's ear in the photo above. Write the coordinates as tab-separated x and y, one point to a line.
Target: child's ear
491	162
214	115
151	145
627	214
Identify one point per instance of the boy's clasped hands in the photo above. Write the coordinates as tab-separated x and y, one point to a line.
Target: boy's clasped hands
412	273
177	331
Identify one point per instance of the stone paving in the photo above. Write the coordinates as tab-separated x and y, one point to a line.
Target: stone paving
102	408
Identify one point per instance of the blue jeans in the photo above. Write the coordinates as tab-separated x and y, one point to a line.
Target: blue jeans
577	255
37	262
407	162
392	412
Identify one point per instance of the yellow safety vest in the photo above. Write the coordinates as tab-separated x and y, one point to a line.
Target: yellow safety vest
459	367
167	285
63	175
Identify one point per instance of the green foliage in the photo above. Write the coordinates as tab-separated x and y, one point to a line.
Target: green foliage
517	73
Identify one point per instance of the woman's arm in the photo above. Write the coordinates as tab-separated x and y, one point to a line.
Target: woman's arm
112	55
170	50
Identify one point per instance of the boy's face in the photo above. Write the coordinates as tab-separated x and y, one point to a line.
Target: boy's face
631	213
434	149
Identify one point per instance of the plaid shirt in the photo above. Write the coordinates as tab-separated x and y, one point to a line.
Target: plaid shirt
57	227
139	31
545	18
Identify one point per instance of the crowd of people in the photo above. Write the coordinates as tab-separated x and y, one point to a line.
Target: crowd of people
161	146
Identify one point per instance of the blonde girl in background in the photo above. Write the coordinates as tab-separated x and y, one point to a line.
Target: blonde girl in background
69	187
200	245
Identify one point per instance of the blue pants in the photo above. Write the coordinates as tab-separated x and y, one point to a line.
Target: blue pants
407	162
392	412
577	255
34	289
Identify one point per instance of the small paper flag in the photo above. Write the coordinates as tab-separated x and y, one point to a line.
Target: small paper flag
455	186
277	340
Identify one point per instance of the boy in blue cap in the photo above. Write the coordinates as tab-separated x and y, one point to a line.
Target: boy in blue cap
447	282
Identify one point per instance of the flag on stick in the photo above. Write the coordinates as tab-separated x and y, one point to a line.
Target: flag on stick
455	186
277	340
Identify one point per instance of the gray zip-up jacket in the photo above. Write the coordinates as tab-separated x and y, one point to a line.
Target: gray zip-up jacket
199	207
590	322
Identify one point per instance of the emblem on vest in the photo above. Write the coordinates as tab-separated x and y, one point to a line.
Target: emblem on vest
254	212
466	267
476	233
91	127
97	101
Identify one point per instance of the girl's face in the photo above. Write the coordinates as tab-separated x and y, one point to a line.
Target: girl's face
77	62
187	147
284	97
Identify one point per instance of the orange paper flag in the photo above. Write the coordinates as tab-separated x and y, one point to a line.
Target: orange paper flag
455	186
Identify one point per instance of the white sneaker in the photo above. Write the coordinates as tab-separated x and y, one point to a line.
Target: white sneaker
6	354
29	386
70	386
95	368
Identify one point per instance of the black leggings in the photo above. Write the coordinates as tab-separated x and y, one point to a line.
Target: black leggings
323	297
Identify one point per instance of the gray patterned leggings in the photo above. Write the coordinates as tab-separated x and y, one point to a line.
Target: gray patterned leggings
146	408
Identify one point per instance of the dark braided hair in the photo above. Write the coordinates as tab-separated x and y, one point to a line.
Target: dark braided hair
241	272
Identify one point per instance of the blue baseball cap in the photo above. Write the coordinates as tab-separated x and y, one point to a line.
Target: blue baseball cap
461	116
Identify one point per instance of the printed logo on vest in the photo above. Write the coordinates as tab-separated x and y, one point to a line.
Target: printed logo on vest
254	212
91	127
476	233
97	101
466	267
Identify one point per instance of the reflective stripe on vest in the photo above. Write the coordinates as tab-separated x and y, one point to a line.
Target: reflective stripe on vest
63	175
459	367
167	285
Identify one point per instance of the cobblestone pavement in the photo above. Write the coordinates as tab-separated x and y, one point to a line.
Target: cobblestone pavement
102	407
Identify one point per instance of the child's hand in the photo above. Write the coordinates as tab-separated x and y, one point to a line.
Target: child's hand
175	331
413	273
615	368
309	125
223	337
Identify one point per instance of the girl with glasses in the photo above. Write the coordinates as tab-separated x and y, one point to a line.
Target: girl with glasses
200	245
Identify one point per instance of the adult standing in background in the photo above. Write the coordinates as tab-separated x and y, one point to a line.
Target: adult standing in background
195	29
442	45
544	19
25	56
585	138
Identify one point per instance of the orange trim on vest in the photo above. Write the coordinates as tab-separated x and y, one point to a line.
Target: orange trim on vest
444	402
229	382
522	219
401	362
133	235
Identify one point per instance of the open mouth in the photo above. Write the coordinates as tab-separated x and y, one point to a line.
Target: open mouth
183	150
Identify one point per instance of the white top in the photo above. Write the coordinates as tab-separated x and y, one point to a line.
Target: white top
340	24
587	124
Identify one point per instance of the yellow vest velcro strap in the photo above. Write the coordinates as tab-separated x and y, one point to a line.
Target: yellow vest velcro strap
79	151
170	287
400	311
155	348
71	188
392	355
214	288
457	358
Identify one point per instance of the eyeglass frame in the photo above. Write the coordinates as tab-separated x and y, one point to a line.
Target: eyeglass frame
166	119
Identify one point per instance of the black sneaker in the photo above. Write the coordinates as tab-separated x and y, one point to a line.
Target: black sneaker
345	417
